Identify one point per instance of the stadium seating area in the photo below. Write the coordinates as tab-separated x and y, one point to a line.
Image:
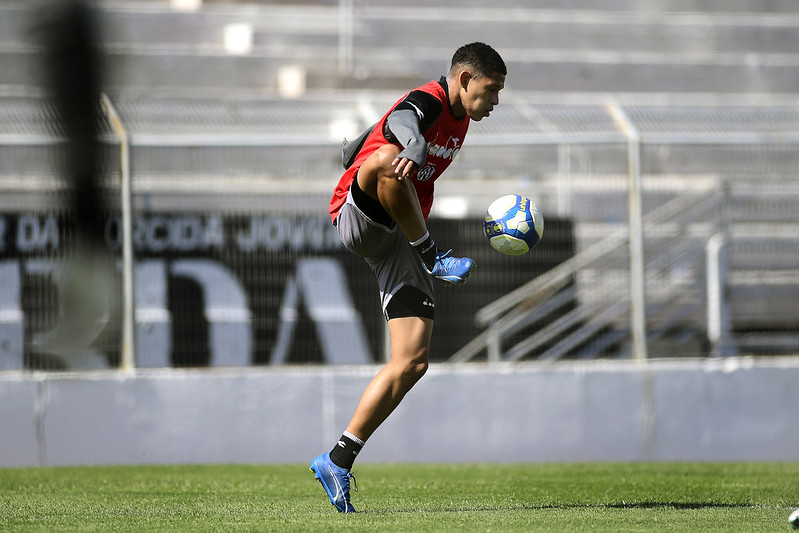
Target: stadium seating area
612	45
245	102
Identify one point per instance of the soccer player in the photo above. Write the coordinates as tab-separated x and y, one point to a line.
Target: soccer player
380	207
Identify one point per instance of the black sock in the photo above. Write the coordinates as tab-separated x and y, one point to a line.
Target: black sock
427	250
346	450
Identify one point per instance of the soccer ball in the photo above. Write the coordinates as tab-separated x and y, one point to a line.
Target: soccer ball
513	224
794	519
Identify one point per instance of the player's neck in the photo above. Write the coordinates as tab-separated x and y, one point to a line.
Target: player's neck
454	96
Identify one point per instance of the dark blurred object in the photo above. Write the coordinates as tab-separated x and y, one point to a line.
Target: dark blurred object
66	31
71	69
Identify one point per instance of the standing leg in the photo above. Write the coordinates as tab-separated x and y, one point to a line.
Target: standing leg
410	342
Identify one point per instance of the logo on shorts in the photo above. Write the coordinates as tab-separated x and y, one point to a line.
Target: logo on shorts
428	303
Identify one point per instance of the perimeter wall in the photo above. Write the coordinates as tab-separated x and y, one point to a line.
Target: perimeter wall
682	410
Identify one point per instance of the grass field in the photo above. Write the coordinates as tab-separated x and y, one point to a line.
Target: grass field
420	498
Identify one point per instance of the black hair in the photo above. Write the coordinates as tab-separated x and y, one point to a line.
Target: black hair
481	57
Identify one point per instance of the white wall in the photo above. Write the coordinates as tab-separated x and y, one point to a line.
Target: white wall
731	409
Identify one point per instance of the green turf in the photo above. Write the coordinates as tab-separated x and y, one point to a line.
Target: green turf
420	498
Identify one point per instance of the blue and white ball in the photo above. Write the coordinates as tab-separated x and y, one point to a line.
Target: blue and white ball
793	519
513	224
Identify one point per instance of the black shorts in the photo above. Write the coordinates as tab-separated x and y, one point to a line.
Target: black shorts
399	270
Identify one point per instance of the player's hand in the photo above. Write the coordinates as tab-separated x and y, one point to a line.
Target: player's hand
404	168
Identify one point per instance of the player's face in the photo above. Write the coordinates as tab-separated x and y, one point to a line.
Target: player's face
482	95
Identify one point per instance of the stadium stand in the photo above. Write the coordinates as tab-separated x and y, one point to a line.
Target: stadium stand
709	85
613	45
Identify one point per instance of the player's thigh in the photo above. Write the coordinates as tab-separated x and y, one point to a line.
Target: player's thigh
365	237
410	338
377	165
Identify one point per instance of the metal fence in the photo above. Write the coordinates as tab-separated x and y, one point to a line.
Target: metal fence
671	230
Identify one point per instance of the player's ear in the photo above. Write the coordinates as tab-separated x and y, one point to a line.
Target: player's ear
464	78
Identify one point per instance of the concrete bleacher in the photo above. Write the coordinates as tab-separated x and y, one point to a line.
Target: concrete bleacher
213	125
612	45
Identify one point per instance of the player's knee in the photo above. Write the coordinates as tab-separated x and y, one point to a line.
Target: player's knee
386	154
420	369
383	159
390	190
416	367
377	174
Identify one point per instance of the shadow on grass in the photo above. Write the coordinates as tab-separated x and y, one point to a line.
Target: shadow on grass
679	506
673	505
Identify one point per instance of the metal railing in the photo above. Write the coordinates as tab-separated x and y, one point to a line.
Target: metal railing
554	290
128	348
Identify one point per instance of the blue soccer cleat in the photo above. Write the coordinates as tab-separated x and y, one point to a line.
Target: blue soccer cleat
336	482
452	270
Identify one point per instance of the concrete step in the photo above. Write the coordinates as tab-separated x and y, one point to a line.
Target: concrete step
374	28
588	30
529	71
584	48
738	6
